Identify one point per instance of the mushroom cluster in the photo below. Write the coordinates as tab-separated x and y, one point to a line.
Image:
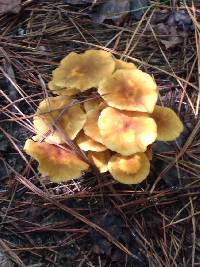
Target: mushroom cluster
114	131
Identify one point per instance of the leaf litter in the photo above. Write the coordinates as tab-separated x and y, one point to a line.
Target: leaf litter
10	6
174	26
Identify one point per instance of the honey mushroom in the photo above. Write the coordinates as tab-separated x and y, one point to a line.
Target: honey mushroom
129	169
83	71
131	90
100	159
126	132
116	129
57	90
59	163
88	144
169	126
50	111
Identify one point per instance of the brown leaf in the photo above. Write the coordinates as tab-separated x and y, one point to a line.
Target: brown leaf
172	42
12	6
114	10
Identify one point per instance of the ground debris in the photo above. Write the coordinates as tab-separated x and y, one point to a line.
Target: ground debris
115	225
173	26
4	260
10	6
115	10
138	8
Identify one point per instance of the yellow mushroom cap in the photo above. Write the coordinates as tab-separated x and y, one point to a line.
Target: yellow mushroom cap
126	132
88	144
100	159
50	111
84	71
62	91
131	90
60	164
129	169
169	126
120	64
91	128
92	104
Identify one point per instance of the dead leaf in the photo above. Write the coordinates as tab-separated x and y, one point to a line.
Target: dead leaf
4	260
172	42
181	20
114	10
138	8
12	6
172	27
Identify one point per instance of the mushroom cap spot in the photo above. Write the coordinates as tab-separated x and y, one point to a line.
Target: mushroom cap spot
92	104
169	126
84	71
100	159
129	169
51	110
91	127
126	132
131	90
123	65
86	143
62	91
60	164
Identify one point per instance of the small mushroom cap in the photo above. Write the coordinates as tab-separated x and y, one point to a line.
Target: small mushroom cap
91	128
123	65
59	163
131	90
129	169
88	144
62	91
169	126
50	111
92	104
126	132
100	159
84	71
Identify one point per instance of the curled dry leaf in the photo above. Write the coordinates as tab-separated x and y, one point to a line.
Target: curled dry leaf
12	6
175	26
115	10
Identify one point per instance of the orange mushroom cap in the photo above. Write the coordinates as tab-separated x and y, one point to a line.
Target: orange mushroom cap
92	104
62	91
91	128
83	71
129	169
126	132
100	159
169	126
88	144
123	65
50	110
59	163
131	90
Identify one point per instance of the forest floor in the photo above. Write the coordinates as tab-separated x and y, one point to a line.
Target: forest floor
90	221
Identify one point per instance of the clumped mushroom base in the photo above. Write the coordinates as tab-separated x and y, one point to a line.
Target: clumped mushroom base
114	132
